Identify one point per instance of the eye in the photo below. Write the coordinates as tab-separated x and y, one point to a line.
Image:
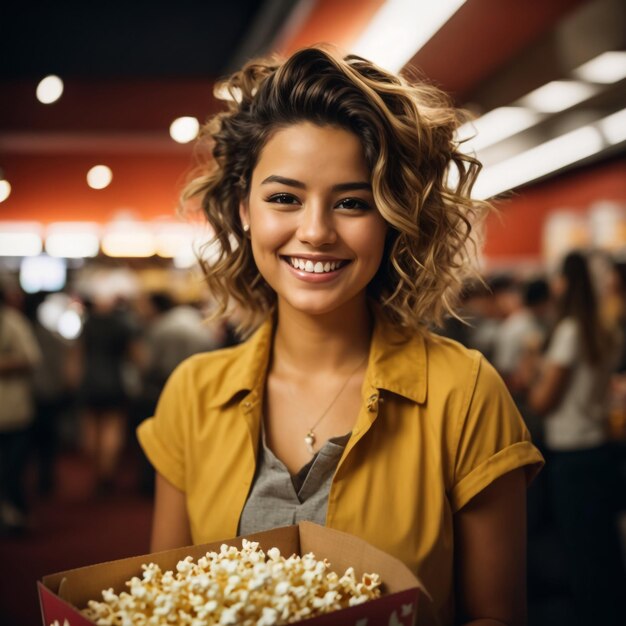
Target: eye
353	204
283	198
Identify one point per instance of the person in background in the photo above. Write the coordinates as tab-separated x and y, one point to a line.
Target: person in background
459	327
19	355
108	338
571	392
523	331
343	241
482	315
174	333
51	392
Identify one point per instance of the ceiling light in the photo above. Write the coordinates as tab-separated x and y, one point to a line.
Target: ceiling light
20	239
73	240
49	89
5	190
99	177
400	28
558	96
184	129
613	127
538	161
128	239
607	68
495	126
173	239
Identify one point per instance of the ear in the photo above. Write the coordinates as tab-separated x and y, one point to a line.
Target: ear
244	214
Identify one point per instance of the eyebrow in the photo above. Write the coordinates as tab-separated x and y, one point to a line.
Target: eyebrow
291	182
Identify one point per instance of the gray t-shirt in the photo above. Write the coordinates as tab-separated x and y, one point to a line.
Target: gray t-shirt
279	499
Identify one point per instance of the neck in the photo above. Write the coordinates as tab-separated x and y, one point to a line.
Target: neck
329	342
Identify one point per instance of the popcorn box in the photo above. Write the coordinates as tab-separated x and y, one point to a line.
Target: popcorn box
63	595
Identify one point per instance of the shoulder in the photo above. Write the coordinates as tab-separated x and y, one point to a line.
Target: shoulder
448	355
456	370
566	332
204	369
568	325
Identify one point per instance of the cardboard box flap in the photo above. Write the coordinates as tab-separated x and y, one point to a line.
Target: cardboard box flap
344	550
80	585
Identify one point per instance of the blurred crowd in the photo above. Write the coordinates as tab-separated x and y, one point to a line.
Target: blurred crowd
557	339
86	394
559	343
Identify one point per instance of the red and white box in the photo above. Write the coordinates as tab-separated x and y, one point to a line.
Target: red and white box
63	595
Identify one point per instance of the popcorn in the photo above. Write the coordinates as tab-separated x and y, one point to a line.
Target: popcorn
231	587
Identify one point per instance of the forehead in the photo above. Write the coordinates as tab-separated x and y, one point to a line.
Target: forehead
309	152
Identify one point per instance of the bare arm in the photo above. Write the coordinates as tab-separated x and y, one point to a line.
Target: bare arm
548	390
490	554
170	523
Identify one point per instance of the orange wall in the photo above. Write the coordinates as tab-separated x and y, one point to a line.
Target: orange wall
517	230
49	187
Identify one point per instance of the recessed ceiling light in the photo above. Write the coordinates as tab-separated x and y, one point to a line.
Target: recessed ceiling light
99	177
184	129
609	67
49	89
558	96
5	190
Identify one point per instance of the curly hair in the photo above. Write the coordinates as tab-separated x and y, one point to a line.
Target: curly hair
421	181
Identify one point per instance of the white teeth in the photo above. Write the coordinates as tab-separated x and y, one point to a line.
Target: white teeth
318	267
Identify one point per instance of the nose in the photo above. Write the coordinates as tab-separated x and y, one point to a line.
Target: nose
316	226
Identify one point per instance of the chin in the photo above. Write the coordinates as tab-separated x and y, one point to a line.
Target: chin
314	305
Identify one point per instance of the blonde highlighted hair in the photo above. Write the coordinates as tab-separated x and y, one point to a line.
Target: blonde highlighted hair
421	181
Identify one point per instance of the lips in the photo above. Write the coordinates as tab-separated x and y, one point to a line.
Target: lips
315	266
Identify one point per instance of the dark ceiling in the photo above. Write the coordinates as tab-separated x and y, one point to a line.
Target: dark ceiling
133	39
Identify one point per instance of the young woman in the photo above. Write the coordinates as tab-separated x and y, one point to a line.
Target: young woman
572	394
342	240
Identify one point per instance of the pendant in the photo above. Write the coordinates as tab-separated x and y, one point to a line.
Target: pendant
309	441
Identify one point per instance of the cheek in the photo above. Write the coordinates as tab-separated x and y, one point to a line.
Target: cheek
268	234
371	243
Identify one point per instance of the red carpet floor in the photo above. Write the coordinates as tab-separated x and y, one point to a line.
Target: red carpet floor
71	529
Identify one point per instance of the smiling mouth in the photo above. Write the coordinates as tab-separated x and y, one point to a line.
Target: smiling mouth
314	267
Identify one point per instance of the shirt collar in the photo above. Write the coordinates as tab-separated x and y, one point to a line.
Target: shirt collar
246	371
396	363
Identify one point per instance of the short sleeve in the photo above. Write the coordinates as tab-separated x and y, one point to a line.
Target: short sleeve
492	438
163	436
563	348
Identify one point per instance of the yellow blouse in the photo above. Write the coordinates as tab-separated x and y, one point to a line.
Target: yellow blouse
436	426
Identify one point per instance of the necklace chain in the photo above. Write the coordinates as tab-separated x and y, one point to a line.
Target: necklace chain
309	439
